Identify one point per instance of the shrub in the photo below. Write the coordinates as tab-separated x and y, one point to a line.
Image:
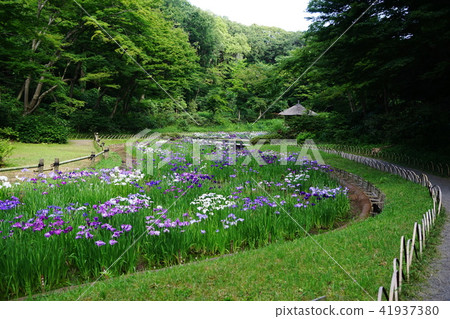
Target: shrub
5	149
43	129
90	121
221	120
134	122
207	115
303	136
8	133
10	108
183	125
276	125
273	125
163	119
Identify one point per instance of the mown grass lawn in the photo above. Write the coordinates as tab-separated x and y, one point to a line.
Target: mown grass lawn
296	270
29	154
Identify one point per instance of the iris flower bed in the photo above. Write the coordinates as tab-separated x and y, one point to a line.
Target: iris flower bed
60	229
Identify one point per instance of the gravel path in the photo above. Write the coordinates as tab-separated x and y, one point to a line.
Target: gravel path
438	286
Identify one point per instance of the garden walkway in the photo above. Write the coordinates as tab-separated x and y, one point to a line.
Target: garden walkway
438	286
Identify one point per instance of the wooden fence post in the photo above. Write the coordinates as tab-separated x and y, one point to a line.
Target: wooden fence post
106	153
92	158
56	165
41	166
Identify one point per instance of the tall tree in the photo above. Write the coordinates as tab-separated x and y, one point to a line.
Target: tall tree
389	65
67	48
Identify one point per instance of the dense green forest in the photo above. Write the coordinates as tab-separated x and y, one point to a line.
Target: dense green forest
121	66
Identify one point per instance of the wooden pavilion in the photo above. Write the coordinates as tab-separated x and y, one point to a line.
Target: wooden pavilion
296	110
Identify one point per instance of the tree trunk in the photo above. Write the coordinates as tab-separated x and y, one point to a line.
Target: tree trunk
100	97
127	101
26	92
29	106
76	77
350	101
385	99
41	5
19	96
118	100
364	103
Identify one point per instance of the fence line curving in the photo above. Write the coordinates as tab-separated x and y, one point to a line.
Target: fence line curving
410	249
442	169
375	195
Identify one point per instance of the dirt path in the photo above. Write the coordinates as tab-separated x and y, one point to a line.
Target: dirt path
120	150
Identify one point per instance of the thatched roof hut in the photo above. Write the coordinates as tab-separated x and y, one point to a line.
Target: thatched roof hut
297	109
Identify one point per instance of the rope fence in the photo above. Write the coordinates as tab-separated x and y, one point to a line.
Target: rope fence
410	249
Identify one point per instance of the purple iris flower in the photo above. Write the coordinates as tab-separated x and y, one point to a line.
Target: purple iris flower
126	227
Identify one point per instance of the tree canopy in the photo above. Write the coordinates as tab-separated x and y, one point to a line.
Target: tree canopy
386	74
91	63
120	65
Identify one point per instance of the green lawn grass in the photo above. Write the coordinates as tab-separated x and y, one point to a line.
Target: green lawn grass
29	154
112	161
296	270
